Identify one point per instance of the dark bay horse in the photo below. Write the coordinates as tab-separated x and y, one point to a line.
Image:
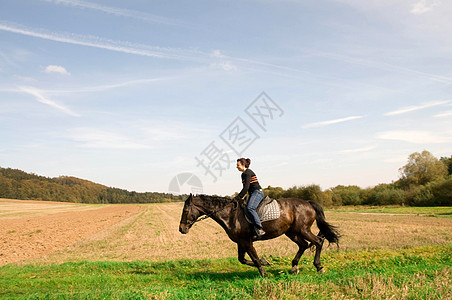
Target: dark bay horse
295	221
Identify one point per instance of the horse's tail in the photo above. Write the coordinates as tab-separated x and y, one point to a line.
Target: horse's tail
329	231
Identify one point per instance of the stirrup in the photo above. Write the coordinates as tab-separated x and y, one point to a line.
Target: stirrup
258	234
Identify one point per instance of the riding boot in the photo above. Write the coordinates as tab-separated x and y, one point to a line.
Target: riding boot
258	233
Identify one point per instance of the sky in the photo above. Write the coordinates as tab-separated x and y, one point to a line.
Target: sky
164	96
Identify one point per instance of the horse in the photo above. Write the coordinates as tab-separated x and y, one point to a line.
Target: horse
295	221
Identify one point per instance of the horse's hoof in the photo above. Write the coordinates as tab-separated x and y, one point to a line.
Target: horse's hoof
321	270
295	270
264	262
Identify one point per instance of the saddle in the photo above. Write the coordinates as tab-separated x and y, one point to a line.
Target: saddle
267	210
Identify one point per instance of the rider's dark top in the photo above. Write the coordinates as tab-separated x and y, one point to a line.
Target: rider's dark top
250	183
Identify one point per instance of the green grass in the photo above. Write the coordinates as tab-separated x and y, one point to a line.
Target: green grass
418	273
434	211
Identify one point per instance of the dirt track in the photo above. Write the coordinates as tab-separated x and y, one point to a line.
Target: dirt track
34	229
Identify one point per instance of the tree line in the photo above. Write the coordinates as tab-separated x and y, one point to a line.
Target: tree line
424	181
17	184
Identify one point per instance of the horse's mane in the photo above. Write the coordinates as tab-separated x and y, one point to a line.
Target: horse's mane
215	200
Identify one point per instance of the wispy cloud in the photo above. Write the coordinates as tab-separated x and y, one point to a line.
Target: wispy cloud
357	150
56	69
97	138
87	89
98	42
414	136
408	109
140	135
41	98
444	114
330	122
424	6
105	87
224	63
122	12
396	159
381	65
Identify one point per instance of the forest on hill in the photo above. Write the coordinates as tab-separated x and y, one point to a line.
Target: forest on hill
17	184
424	181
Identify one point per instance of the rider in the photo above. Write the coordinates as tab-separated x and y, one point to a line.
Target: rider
252	187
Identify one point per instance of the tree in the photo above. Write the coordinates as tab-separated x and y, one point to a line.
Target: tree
421	169
447	161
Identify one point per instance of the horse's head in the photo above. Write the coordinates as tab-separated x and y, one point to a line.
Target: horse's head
190	214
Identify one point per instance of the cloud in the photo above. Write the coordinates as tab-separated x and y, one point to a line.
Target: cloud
118	11
365	62
56	69
396	159
330	122
357	150
422	7
417	107
224	64
96	138
97	42
217	53
41	98
414	136
105	87
444	114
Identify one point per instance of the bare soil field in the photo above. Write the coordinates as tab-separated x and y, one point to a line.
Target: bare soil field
150	232
30	229
13	209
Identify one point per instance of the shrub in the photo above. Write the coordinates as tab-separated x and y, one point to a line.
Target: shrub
309	192
386	194
347	195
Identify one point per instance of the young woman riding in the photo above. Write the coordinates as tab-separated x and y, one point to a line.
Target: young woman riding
252	187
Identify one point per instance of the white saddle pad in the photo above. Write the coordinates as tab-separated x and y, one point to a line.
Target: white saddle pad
267	212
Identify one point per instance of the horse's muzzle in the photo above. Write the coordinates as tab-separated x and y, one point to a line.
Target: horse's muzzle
183	228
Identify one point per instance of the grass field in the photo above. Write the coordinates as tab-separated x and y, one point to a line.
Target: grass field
385	253
419	273
445	211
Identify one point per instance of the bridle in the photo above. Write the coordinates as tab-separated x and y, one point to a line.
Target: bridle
207	215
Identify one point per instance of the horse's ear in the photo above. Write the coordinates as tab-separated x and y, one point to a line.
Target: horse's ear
190	197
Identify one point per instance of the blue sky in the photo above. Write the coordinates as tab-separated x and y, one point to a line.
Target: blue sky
131	94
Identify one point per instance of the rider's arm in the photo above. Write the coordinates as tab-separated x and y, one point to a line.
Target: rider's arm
246	178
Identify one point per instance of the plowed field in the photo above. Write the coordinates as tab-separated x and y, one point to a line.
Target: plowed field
31	229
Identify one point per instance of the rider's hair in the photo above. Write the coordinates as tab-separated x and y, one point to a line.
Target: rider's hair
245	161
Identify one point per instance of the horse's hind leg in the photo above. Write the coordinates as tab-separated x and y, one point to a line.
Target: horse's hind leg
317	241
302	246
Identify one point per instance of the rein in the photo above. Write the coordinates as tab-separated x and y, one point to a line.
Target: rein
211	214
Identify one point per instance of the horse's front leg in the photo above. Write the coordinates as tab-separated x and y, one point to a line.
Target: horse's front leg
243	260
249	248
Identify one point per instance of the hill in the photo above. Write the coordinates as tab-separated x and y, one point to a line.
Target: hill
17	184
